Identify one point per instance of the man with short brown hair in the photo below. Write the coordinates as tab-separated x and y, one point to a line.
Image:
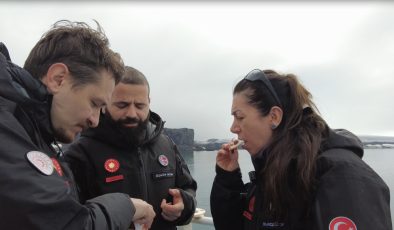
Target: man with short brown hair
68	78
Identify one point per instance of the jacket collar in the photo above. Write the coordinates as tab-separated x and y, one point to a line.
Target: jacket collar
107	133
28	93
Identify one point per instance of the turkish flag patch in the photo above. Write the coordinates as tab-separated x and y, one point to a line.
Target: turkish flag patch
342	223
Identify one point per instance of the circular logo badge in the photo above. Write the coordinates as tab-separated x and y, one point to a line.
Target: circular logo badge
40	161
163	160
111	165
342	223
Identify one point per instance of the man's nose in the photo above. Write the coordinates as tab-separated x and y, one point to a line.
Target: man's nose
131	112
93	120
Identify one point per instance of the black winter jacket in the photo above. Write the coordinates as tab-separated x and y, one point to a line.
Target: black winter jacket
104	161
32	194
348	195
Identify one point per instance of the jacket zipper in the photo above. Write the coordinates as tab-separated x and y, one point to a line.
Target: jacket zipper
143	175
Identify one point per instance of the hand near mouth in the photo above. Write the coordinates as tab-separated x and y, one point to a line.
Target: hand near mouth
227	156
235	144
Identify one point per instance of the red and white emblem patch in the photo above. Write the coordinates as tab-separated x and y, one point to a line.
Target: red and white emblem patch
342	223
40	161
111	165
163	160
57	167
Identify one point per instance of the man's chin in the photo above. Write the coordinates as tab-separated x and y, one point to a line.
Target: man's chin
65	137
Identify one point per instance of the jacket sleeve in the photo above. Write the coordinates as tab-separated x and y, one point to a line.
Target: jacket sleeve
109	211
32	200
351	193
226	200
187	186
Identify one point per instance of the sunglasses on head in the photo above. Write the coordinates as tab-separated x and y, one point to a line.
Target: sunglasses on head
258	75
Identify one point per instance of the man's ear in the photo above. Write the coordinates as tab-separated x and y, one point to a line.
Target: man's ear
276	114
56	75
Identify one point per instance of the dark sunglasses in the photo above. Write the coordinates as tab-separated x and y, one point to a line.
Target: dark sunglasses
258	75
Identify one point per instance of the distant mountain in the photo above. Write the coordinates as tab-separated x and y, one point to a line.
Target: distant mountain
376	139
370	141
184	138
210	144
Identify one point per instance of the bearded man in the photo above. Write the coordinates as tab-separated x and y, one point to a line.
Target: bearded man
128	152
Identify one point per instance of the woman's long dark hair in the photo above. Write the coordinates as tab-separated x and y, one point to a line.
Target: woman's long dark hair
289	171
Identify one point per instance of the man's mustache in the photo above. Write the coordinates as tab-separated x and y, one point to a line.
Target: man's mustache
129	121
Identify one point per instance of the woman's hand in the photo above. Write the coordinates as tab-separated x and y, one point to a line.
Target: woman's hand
228	159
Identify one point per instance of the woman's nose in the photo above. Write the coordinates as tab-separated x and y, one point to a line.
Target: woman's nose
234	128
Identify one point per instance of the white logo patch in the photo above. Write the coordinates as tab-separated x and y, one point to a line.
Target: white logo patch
41	161
163	160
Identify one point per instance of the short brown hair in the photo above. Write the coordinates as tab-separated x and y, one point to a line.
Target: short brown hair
134	77
84	50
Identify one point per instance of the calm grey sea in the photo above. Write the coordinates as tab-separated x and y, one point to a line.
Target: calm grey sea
202	166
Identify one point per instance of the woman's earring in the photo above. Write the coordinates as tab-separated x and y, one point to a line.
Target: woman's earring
273	126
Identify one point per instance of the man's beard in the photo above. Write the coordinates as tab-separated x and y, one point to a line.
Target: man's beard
60	135
132	135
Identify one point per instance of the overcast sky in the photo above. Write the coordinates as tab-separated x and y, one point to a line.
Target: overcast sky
194	53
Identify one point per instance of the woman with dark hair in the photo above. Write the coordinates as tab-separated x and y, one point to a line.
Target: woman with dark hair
307	176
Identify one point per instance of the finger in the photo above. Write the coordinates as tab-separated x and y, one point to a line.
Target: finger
223	157
174	210
222	153
164	204
168	216
148	225
176	194
171	209
144	221
226	146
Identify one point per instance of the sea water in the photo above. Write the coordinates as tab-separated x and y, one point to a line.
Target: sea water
202	167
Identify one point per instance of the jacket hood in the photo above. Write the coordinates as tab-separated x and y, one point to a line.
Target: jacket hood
107	133
342	138
18	86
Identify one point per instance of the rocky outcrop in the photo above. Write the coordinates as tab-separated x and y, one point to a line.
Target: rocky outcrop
183	138
209	145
